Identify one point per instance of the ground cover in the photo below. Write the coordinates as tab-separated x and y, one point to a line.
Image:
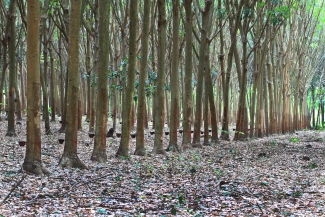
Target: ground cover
281	175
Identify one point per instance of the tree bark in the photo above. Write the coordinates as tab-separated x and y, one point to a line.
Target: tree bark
12	70
160	95
188	95
127	104
32	162
99	151
70	157
140	149
174	81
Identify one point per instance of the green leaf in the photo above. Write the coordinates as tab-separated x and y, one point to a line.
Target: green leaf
313	166
180	199
193	170
173	211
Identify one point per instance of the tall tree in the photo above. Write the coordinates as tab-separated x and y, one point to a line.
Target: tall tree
201	69
188	95
99	152
44	82
127	104
32	162
70	157
174	81
160	96
12	69
140	149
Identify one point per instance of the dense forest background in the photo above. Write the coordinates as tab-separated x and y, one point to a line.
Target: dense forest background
203	89
255	65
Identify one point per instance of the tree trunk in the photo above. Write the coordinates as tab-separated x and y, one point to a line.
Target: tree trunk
140	149
12	70
99	151
160	96
127	102
70	157
53	86
188	95
174	81
32	162
201	68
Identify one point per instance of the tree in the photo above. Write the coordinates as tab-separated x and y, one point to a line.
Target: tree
12	70
99	151
188	95
199	88
70	157
32	162
160	96
45	43
140	149
174	81
127	102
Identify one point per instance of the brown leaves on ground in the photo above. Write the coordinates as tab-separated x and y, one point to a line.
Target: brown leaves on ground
274	176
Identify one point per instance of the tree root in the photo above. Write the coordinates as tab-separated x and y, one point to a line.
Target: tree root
71	161
35	167
158	151
173	148
99	156
140	152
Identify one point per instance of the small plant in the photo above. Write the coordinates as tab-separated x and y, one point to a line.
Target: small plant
322	181
219	172
296	194
273	143
225	131
233	151
294	139
312	166
125	157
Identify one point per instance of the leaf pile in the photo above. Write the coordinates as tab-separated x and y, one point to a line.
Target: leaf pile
279	175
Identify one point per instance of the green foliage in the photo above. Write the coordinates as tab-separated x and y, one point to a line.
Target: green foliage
247	13
222	13
173	211
225	131
312	166
125	157
278	15
296	194
294	140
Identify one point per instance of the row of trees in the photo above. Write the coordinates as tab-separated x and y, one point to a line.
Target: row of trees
246	62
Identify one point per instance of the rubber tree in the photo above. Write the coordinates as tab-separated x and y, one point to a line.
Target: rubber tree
70	157
188	95
12	69
32	162
174	81
127	104
99	151
161	78
199	88
140	149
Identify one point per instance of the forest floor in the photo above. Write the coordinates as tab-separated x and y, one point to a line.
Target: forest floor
281	175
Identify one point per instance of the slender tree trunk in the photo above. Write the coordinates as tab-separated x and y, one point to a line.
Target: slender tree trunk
32	162
12	70
127	105
22	88
140	149
70	157
174	81
53	86
199	87
4	70
188	94
160	96
99	151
